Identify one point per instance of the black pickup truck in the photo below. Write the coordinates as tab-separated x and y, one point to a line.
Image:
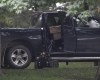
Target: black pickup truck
64	38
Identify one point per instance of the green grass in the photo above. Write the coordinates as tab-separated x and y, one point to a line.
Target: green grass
73	71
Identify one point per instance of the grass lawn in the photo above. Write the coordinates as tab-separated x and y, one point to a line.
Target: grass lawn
73	71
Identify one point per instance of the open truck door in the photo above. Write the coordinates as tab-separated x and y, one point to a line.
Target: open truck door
69	35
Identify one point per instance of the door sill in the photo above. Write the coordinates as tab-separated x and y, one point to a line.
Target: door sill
75	58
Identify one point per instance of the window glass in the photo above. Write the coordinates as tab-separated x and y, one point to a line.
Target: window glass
38	22
53	20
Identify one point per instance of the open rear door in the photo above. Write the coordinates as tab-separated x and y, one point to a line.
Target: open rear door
69	35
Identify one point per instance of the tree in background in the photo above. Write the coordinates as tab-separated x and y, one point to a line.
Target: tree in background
14	5
9	10
15	13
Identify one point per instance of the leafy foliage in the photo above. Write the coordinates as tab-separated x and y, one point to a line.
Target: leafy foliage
78	7
14	5
15	12
75	7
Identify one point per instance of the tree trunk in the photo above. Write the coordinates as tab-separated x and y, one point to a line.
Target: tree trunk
98	72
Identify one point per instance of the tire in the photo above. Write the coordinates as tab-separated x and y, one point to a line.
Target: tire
19	57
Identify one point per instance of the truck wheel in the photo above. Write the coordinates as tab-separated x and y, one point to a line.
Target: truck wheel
19	57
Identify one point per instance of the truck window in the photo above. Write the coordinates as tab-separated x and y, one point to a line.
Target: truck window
38	22
36	19
90	23
53	19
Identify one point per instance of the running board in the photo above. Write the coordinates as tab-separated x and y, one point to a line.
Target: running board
75	58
